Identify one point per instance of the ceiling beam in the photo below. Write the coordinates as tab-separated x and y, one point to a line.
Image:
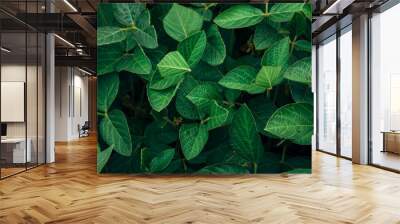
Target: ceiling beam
81	61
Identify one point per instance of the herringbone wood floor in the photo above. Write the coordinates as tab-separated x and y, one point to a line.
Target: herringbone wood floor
70	191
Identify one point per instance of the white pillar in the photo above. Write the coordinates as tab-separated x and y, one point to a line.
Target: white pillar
360	90
50	99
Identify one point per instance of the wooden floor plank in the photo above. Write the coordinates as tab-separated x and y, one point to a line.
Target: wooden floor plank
70	191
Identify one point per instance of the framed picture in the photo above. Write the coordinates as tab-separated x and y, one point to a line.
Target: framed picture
204	88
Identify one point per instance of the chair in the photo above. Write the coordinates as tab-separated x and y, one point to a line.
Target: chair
84	130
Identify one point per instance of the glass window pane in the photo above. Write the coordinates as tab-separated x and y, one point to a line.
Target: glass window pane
41	99
14	153
385	89
327	96
31	97
346	93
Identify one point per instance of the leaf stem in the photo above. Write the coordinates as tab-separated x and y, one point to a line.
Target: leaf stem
102	114
292	44
230	103
169	121
205	120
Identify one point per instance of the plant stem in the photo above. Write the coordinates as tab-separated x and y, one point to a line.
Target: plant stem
142	96
275	94
184	165
283	153
280	143
255	167
141	158
182	157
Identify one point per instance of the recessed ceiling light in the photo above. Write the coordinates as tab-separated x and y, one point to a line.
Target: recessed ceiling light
84	71
64	40
70	5
5	50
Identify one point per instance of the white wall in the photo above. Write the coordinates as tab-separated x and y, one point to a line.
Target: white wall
70	83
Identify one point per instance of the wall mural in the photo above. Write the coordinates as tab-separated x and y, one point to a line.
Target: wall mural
204	88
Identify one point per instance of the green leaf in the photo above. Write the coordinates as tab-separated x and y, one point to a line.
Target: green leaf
307	10
242	78
301	93
137	62
284	12
293	122
157	54
265	36
109	35
262	109
114	130
160	132
269	76
162	160
239	16
107	91
105	16
215	51
110	55
130	43
205	72
301	24
143	20
192	48
160	99
203	95
193	138
278	54
244	137
146	37
173	64
231	94
160	83
300	71
303	45
218	116
223	169
126	13
102	157
183	105
207	14
181	22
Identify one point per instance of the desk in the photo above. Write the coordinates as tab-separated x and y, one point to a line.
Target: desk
391	141
15	148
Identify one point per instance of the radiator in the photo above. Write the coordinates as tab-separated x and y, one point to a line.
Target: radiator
391	142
